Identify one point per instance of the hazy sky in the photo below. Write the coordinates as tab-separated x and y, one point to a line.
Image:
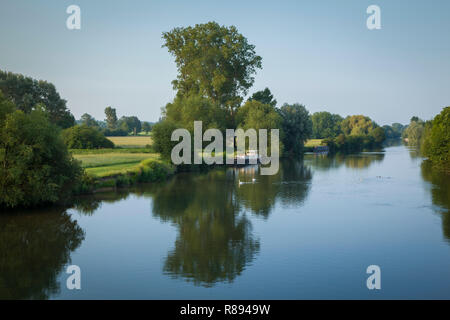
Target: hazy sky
319	53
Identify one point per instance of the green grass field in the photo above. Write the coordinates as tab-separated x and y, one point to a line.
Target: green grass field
313	142
107	164
131	141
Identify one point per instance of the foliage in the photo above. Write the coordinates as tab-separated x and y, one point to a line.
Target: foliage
325	125
414	132
35	165
26	93
436	143
130	124
214	61
357	125
264	96
296	126
88	120
162	133
111	118
84	137
378	135
146	126
187	109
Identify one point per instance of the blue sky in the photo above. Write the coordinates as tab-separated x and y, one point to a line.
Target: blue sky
319	53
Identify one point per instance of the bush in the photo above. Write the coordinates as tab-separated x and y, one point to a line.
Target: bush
84	137
35	165
436	143
153	170
161	135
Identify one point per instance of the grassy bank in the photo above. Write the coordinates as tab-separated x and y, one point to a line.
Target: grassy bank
132	161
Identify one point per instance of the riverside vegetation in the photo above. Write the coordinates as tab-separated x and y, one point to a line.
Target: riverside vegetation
46	156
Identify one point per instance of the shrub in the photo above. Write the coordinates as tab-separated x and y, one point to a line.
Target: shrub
436	145
35	165
84	137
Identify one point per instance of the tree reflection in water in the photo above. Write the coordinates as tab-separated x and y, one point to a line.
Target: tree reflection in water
440	194
215	241
34	248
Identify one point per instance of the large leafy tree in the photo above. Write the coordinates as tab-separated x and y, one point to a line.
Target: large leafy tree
214	61
325	125
414	132
130	124
257	115
84	137
111	118
357	125
88	120
35	166
187	109
297	127
264	96
26	93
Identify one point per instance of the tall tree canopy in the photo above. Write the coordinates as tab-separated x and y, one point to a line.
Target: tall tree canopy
111	118
35	165
214	61
88	120
26	93
297	127
357	125
325	125
264	96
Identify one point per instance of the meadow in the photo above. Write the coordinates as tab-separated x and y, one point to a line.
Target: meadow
131	141
126	157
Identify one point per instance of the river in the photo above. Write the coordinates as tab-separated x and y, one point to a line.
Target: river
308	232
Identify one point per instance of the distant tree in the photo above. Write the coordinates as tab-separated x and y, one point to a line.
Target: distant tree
131	124
357	125
415	119
35	166
214	61
264	96
378	135
111	118
146	126
398	128
297	127
26	93
414	132
88	120
84	137
325	125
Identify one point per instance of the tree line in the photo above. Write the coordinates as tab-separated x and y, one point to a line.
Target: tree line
216	69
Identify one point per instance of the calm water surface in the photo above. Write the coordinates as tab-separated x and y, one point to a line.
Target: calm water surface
308	232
